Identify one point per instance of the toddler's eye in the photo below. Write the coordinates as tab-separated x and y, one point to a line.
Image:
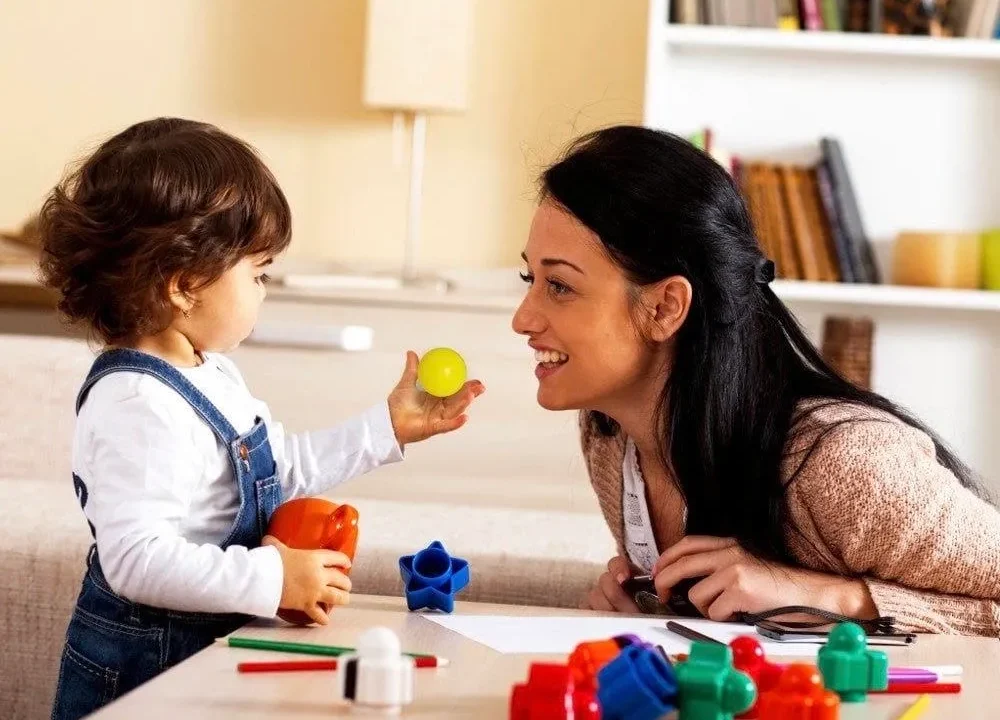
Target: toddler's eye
264	279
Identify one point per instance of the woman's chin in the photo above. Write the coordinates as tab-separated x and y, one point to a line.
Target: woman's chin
551	400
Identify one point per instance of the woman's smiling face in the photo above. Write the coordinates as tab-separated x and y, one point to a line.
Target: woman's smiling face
579	316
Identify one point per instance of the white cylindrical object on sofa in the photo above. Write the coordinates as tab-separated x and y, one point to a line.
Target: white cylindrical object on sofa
352	338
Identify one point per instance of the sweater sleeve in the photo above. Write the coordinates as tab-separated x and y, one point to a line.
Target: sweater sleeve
924	611
927	547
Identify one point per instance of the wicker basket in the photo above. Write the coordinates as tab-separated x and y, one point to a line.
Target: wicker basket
847	346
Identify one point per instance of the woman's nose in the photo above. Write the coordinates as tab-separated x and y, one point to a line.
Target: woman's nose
526	320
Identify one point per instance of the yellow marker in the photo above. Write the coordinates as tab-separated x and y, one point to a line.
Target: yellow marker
916	709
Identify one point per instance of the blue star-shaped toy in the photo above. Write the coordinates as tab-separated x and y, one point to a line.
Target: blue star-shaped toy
433	577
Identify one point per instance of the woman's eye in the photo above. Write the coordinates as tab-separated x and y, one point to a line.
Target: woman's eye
264	279
527	277
557	288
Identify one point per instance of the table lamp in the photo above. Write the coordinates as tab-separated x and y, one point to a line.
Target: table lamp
417	62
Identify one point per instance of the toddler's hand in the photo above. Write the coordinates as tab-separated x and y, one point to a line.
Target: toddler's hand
417	415
312	580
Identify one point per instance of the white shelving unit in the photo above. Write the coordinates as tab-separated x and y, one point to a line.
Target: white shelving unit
919	121
679	37
886	296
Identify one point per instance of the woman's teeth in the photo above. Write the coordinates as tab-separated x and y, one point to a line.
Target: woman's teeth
550	356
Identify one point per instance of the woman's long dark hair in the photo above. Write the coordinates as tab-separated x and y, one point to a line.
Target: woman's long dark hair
663	208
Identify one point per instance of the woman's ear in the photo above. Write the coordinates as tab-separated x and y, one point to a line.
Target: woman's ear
668	303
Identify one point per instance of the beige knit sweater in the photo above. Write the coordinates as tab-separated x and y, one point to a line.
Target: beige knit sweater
873	500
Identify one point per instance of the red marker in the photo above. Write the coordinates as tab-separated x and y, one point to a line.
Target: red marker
429	661
905	688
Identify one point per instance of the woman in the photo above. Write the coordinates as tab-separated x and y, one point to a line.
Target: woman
722	448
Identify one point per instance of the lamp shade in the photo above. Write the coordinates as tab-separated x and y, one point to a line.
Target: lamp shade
417	54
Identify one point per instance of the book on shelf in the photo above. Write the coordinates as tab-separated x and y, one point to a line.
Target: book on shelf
938	18
806	218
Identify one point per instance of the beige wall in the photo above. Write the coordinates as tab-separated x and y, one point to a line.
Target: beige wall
286	74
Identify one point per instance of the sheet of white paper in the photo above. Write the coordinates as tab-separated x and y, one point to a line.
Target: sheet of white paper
559	635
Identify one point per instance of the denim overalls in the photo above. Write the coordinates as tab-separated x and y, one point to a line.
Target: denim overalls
113	645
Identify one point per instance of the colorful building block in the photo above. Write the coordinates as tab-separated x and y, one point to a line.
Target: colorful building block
586	706
710	687
748	657
589	657
548	693
848	667
551	694
799	696
432	578
638	684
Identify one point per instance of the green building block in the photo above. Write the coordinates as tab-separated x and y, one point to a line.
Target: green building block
709	688
848	667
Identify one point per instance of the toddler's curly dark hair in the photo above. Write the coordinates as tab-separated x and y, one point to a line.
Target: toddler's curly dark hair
164	199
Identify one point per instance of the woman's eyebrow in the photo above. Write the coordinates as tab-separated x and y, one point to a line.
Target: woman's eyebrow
548	262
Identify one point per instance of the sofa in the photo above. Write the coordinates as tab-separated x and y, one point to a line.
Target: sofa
508	492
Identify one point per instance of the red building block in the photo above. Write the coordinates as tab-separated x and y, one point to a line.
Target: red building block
799	696
548	694
748	656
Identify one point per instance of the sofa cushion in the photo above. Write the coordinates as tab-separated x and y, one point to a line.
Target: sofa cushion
40	377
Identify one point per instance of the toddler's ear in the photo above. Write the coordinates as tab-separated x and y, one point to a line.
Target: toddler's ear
179	297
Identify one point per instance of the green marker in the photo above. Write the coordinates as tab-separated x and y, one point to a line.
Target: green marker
297	647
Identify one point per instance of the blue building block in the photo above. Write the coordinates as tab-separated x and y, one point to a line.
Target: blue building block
639	684
432	578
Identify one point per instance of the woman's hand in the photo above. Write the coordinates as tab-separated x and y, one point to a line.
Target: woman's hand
607	594
736	581
417	415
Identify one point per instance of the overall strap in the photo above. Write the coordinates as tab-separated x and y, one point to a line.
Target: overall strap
125	360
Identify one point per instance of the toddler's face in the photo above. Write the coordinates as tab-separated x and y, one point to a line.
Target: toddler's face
225	311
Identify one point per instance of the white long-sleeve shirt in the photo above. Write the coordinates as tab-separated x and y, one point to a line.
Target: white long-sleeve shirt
162	496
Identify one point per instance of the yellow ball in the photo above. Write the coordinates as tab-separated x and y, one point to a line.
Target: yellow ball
441	372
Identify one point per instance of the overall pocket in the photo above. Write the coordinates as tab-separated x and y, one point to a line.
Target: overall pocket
84	686
268	499
104	658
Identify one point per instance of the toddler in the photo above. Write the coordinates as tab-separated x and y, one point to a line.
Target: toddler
159	244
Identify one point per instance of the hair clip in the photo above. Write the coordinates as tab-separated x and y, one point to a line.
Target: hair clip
763	271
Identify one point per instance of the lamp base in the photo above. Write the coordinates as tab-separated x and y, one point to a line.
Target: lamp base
426	281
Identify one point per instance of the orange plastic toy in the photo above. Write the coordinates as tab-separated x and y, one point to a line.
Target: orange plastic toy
799	696
748	657
588	658
314	524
